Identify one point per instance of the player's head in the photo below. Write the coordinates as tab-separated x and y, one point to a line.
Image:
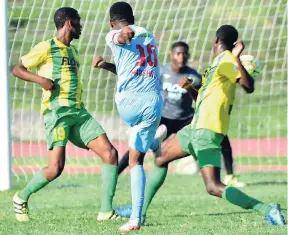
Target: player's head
179	54
121	13
226	36
69	18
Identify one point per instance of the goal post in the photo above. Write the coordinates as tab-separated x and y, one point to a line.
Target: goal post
5	150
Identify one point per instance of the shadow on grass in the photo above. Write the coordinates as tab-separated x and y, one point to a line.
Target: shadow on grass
268	183
213	214
218	214
153	224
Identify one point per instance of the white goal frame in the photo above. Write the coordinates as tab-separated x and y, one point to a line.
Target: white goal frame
5	149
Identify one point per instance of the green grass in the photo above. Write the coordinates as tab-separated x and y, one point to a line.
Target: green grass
261	25
182	206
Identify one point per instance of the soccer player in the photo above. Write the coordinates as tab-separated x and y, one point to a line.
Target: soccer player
177	109
138	96
65	117
202	138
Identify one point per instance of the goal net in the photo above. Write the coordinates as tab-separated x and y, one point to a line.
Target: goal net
258	122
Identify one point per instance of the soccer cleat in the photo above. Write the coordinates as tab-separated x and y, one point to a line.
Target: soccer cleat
110	215
126	212
231	180
20	208
130	226
160	135
275	217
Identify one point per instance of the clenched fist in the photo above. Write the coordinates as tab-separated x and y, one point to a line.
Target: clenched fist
98	62
239	47
184	82
47	84
127	34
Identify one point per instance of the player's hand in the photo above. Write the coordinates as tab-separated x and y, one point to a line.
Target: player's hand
127	34
47	84
239	47
184	82
98	62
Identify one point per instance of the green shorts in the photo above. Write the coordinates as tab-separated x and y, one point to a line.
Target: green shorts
76	125
203	144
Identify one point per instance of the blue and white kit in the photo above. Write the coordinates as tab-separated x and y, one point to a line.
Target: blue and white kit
138	96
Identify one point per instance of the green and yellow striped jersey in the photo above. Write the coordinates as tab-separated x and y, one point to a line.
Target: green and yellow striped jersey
60	63
216	96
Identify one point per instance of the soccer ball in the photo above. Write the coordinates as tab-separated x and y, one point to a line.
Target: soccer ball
251	64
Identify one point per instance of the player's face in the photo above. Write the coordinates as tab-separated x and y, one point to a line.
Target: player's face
179	56
76	28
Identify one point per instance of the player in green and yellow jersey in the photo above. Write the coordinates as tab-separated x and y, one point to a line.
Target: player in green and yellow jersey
202	138
65	118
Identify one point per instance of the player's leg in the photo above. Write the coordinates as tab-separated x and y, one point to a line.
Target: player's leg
138	182
109	155
211	177
103	148
137	150
171	151
207	145
88	133
174	148
144	117
40	179
230	178
140	138
57	131
124	162
227	155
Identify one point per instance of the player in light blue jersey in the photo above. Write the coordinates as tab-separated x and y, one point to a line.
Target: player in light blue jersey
138	95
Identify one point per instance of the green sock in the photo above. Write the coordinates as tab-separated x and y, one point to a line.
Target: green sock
38	181
155	178
109	181
238	198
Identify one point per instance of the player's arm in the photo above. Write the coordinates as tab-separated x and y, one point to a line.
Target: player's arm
193	92
246	81
99	62
124	36
33	59
191	84
21	72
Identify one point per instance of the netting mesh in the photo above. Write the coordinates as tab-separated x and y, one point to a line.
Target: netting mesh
258	123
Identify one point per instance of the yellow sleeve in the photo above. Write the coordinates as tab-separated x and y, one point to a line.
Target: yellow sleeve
230	70
202	81
36	56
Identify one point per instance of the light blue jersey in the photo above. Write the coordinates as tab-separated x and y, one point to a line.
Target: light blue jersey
138	97
136	63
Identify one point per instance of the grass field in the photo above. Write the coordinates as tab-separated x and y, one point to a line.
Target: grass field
68	205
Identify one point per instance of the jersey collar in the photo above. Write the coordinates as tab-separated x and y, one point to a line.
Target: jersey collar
60	43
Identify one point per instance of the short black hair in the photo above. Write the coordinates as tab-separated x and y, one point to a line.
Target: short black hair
228	35
63	14
180	44
121	11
